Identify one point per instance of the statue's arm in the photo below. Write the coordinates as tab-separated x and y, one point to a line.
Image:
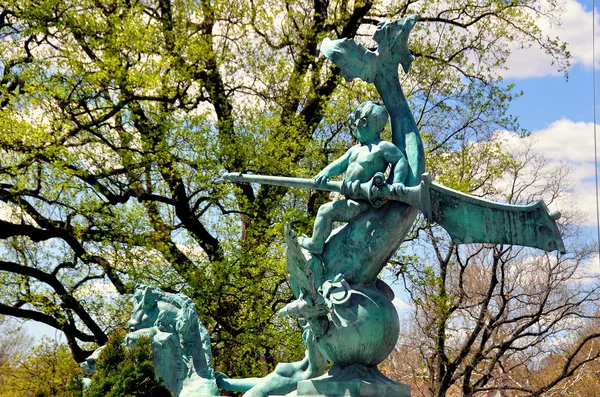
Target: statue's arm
336	168
394	156
400	171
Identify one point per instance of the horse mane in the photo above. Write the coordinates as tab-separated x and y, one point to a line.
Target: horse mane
186	324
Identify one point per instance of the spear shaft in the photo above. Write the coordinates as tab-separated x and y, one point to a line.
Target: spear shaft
375	191
330	186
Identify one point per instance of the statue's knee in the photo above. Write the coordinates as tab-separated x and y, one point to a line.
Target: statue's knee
286	370
325	210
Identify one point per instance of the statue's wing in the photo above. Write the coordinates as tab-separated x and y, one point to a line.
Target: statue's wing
301	277
469	219
354	60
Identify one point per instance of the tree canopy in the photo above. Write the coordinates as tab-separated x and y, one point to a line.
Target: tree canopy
117	118
29	370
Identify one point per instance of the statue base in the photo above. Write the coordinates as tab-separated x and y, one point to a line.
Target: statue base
351	381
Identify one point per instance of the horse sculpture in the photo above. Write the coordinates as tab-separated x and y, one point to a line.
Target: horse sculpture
180	343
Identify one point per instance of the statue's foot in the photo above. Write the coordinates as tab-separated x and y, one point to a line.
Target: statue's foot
308	244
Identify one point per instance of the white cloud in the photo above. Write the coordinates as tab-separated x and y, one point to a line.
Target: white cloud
589	272
194	252
400	304
566	142
6	213
586	197
104	289
575	29
10	213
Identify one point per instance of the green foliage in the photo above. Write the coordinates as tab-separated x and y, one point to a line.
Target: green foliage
47	369
126	372
75	388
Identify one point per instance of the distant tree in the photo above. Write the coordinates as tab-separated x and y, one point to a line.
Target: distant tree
583	361
45	369
75	388
485	317
14	342
123	371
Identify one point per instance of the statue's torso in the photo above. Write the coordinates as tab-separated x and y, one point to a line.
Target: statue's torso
365	162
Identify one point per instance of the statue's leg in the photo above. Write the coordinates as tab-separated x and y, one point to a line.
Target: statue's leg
317	363
286	376
334	211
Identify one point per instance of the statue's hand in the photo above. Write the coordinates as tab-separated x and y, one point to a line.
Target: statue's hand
398	189
322	177
304	308
352	190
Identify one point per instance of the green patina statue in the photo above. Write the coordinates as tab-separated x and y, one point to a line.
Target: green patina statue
345	310
180	343
361	163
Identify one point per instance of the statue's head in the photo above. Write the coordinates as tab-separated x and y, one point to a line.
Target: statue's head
392	40
180	343
145	310
370	119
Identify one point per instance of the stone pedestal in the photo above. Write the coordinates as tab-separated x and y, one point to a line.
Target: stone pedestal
351	381
351	389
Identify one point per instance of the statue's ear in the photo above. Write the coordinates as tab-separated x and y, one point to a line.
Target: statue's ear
362	122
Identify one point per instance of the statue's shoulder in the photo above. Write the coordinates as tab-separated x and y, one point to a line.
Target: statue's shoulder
353	150
391	152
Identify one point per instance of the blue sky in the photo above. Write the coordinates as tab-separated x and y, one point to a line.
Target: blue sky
558	111
549	98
